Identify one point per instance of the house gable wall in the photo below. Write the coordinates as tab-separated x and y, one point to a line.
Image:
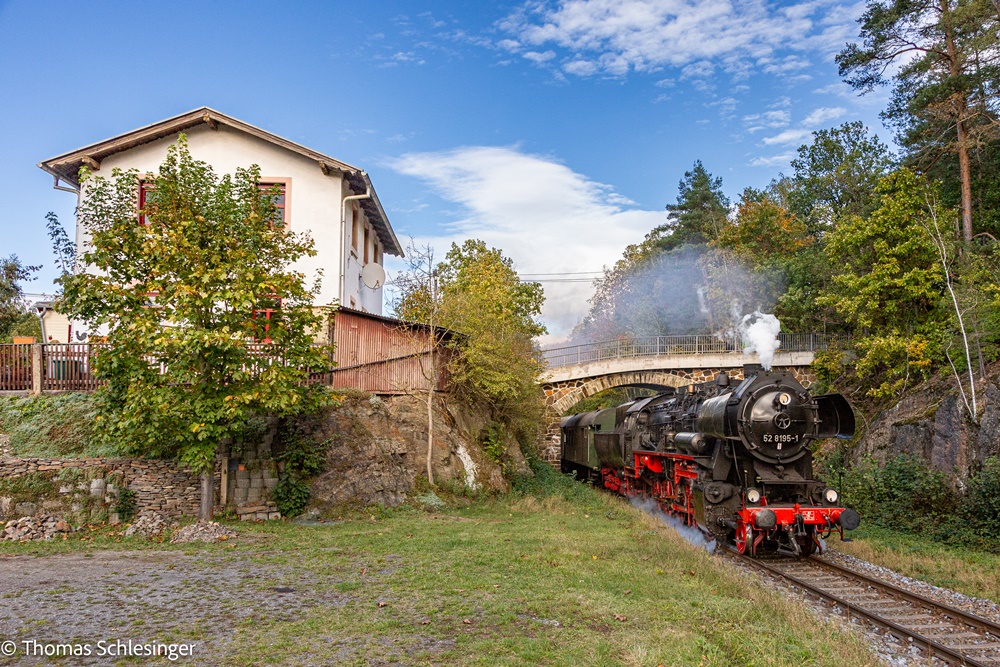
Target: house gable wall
313	197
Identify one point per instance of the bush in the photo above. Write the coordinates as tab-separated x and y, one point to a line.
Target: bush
981	507
291	495
546	481
904	494
125	507
493	441
301	457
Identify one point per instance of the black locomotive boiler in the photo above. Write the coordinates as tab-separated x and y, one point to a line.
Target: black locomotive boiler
734	461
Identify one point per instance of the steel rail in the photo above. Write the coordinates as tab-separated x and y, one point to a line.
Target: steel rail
900	631
979	622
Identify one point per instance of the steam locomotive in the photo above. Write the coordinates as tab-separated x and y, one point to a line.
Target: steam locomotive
735	462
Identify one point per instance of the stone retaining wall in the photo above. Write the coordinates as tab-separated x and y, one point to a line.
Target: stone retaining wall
167	487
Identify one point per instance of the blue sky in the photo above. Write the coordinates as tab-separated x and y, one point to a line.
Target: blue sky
556	131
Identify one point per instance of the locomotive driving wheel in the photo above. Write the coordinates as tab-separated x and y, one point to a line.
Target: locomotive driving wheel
744	538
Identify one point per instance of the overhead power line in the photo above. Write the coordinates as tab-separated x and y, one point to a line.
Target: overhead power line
565	273
561	277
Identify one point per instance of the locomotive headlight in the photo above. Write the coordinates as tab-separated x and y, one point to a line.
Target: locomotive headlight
753	496
784	398
830	496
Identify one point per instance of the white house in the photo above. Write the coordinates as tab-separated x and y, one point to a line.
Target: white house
332	200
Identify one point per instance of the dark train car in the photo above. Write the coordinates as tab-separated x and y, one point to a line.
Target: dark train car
734	461
579	453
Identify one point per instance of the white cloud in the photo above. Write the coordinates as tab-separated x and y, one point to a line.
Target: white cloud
542	214
793	136
785	65
767	120
702	68
538	58
581	67
643	35
772	160
822	115
790	136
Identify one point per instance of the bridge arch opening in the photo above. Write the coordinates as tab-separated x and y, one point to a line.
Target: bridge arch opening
560	397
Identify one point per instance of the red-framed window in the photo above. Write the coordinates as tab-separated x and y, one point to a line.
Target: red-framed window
144	189
280	199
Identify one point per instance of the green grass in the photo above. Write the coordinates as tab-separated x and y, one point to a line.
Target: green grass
52	426
958	568
522	580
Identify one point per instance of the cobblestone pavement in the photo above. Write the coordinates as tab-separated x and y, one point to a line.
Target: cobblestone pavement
170	597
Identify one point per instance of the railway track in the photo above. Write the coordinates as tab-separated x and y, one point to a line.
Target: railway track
949	634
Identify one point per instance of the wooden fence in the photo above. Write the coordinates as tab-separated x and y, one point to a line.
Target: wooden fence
15	368
70	367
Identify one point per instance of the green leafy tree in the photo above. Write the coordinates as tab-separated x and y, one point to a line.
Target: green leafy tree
946	62
888	283
482	297
185	369
13	313
478	294
62	247
700	212
807	274
763	231
836	175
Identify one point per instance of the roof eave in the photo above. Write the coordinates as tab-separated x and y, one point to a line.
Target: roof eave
67	165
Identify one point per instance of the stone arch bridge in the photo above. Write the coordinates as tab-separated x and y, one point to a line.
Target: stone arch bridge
579	371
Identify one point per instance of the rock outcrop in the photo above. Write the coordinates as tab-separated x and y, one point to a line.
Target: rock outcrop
932	423
377	448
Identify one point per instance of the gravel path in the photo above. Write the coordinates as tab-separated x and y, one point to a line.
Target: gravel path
146	596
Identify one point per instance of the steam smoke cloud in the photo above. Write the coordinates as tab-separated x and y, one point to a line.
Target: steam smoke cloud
685	291
694	536
760	334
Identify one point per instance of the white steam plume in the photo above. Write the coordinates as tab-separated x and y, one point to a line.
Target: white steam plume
689	533
760	335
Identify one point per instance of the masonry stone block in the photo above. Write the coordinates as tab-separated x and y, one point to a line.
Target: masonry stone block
25	509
